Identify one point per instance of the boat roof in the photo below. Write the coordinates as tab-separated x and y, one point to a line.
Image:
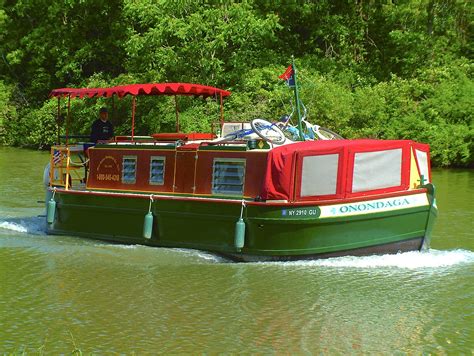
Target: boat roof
186	89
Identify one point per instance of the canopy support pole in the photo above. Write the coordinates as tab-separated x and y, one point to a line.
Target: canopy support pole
177	112
222	111
113	108
133	116
68	117
58	120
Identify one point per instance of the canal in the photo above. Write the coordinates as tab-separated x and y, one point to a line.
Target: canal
61	294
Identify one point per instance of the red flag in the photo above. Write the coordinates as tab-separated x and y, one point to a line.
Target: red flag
288	73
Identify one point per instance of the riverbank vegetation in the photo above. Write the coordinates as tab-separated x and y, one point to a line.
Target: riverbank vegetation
379	69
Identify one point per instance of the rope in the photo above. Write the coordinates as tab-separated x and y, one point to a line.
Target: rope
151	202
242	209
78	164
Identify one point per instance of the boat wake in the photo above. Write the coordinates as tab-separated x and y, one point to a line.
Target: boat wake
407	260
206	257
28	225
431	259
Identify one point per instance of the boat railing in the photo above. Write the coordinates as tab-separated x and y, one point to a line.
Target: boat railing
68	166
134	139
176	138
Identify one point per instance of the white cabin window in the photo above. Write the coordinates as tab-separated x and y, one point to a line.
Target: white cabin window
422	158
228	176
157	170
377	170
319	175
129	169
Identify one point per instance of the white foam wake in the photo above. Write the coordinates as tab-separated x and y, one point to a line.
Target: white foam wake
13	226
119	246
408	260
30	225
205	256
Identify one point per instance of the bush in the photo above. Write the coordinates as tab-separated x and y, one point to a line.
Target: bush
8	114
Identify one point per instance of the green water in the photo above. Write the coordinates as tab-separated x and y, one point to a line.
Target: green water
59	293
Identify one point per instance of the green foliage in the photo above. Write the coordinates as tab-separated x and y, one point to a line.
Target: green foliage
8	113
48	44
259	95
35	128
330	102
384	69
204	43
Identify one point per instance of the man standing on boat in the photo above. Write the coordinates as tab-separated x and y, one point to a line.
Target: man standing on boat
102	129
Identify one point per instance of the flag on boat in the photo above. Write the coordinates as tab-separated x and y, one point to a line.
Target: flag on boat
289	76
57	157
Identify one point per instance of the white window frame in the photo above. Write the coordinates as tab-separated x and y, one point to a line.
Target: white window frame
163	160
216	161
126	181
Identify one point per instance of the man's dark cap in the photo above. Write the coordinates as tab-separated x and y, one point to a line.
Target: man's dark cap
103	109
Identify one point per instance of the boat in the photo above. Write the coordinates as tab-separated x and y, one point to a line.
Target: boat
237	191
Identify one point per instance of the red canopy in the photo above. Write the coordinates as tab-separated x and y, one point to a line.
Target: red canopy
142	89
284	164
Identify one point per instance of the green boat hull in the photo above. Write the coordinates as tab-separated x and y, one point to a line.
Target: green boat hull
209	225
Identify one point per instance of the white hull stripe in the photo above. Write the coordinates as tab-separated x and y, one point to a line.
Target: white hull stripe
374	206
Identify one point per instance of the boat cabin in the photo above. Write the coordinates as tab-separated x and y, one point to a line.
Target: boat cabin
196	168
309	171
